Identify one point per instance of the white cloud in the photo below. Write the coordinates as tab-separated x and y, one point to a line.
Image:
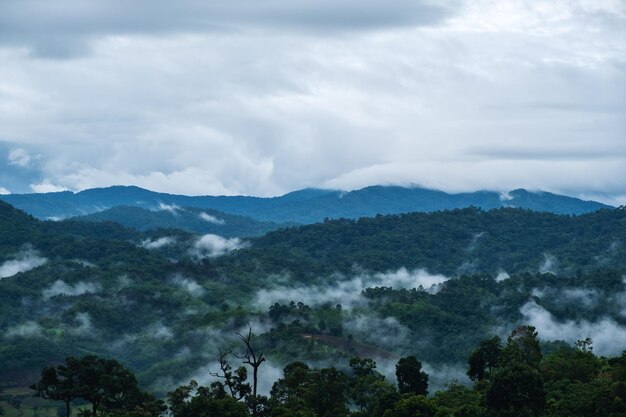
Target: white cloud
158	243
19	157
609	337
347	292
47	187
211	219
502	276
172	208
4	191
60	287
211	112
26	260
211	246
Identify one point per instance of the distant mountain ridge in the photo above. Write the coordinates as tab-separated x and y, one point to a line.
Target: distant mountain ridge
302	206
189	219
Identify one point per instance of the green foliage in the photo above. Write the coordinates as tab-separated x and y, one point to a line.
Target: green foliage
412	405
411	379
444	242
512	389
195	401
516	390
141	309
305	391
104	383
484	359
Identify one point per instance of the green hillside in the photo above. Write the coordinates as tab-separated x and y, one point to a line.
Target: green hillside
431	285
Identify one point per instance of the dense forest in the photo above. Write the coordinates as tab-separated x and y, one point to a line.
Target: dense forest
434	286
511	379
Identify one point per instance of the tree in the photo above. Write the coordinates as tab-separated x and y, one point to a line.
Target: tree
58	384
104	382
411	405
235	381
516	391
411	379
255	359
484	359
192	400
367	387
522	347
304	391
516	387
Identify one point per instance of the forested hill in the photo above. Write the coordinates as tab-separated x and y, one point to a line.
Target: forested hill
189	219
166	302
303	206
450	242
66	240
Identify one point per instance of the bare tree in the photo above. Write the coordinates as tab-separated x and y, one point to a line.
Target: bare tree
235	381
253	358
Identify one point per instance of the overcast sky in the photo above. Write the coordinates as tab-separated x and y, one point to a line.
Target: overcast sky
264	97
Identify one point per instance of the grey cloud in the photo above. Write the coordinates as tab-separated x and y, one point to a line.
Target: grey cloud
262	112
65	28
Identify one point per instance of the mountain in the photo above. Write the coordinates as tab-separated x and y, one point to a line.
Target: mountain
449	242
189	219
427	284
303	206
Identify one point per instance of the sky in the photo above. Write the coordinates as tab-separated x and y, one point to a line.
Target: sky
266	97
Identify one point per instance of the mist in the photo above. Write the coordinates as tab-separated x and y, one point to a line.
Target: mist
387	333
609	337
549	265
172	208
27	329
212	246
211	219
158	243
192	287
27	259
60	287
502	276
85	325
347	292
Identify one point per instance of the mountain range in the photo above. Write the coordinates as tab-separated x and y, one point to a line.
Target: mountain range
303	206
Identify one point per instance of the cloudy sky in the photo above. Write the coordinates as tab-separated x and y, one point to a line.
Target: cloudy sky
264	97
